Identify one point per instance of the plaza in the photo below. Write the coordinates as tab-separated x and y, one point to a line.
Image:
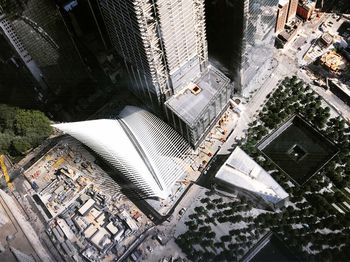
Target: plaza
298	149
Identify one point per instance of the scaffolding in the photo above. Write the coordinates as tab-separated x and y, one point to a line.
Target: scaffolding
149	33
202	46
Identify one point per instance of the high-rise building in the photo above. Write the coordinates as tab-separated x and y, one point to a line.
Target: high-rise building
37	33
306	8
258	39
292	9
15	80
282	14
164	46
23	64
162	42
241	37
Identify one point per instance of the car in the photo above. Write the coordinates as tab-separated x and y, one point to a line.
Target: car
182	211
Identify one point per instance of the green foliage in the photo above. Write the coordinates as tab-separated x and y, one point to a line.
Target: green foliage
312	207
5	142
20	145
21	129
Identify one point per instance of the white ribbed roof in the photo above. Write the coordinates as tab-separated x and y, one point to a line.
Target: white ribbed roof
141	146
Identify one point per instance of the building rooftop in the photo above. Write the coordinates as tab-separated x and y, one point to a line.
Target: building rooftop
242	171
291	29
283	2
334	61
307	3
327	38
344	87
190	102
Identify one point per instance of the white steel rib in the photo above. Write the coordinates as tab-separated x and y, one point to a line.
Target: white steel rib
148	152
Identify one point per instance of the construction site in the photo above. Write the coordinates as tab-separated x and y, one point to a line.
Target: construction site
84	210
87	216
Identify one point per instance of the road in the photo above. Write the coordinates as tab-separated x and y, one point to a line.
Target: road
257	100
336	103
27	228
136	243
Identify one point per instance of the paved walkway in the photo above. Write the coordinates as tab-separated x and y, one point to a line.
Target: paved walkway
257	100
26	228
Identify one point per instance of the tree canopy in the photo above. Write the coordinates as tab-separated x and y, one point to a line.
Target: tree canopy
21	129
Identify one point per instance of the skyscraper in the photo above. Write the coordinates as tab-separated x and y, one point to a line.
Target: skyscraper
241	37
163	43
292	9
258	38
37	32
282	15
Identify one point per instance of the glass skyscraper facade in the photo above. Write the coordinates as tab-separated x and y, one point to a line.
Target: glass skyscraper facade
164	46
258	37
241	36
163	43
36	30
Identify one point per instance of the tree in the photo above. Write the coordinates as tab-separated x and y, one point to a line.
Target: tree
21	129
210	206
226	238
205	200
339	197
5	142
20	146
210	235
199	209
33	124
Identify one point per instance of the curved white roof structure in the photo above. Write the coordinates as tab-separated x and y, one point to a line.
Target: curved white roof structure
141	146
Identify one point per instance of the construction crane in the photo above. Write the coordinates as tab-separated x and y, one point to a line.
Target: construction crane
4	171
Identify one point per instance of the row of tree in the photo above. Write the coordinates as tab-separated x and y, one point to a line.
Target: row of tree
311	207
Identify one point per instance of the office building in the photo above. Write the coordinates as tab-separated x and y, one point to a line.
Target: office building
282	14
162	42
287	10
164	47
145	150
292	9
21	68
258	39
306	9
37	33
195	109
241	38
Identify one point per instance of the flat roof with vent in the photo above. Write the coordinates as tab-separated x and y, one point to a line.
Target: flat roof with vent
189	102
195	89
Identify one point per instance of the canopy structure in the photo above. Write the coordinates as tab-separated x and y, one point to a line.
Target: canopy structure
148	152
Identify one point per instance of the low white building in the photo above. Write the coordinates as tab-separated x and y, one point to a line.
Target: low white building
240	171
147	151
